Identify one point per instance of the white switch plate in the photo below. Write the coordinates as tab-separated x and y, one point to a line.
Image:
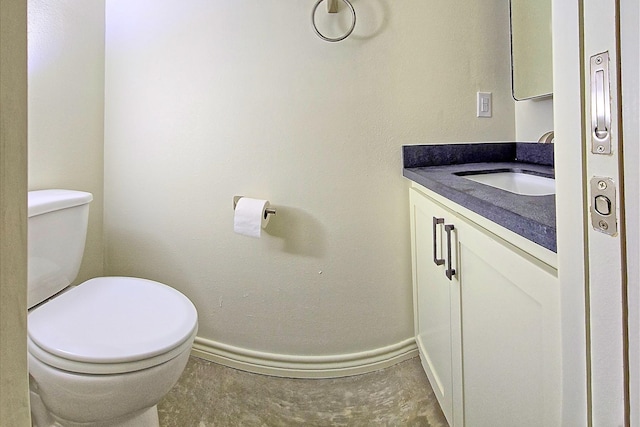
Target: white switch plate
483	104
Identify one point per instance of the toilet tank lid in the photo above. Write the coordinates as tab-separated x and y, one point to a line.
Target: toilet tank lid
43	201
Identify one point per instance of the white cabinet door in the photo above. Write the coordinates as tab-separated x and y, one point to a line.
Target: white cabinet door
435	324
510	333
489	337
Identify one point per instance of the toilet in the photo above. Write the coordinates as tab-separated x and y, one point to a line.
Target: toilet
105	352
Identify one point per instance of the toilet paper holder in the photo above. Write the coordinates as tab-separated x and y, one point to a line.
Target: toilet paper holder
267	211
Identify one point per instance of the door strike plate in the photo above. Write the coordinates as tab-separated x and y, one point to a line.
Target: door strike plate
603	205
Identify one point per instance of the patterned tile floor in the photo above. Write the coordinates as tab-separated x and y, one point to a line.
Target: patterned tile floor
209	394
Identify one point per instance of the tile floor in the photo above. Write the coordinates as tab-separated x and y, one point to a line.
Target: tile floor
209	394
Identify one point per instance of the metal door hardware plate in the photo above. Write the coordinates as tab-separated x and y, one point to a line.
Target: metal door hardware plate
600	104
603	205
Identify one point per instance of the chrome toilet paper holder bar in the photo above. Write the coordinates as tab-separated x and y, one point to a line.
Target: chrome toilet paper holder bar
267	211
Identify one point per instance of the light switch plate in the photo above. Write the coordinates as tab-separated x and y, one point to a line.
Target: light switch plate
483	104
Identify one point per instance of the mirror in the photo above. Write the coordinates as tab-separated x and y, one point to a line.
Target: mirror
531	54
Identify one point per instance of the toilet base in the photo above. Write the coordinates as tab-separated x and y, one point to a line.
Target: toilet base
118	400
41	417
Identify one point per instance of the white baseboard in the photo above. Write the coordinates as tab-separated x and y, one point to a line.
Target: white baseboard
291	366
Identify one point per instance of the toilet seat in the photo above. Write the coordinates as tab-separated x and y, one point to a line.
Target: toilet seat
112	325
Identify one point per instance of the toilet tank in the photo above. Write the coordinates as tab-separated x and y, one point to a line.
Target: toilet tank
57	230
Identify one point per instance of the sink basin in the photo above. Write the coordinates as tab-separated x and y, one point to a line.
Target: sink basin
519	182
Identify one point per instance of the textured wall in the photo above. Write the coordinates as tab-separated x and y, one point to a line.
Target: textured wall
209	99
66	107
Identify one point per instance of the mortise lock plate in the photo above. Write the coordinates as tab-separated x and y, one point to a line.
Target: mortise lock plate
600	104
603	205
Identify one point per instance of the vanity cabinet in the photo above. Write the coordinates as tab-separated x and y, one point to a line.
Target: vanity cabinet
487	320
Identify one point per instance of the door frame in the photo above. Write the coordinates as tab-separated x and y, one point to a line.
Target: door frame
630	72
594	392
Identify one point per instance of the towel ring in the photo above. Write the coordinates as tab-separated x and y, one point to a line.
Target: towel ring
329	39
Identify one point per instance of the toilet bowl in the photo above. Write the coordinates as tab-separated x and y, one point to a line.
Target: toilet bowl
105	352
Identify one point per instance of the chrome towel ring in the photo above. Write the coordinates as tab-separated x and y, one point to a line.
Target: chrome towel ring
337	39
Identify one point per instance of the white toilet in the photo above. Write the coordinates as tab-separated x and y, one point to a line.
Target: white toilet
105	352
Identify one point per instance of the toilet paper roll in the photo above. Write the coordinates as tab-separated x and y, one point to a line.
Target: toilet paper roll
250	217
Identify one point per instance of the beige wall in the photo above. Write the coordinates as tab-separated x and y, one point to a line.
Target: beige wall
66	107
14	385
207	100
534	118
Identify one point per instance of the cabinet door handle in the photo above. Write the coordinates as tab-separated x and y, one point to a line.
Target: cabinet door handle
436	260
450	272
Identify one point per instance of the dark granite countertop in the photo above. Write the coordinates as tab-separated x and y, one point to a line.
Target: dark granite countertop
533	217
